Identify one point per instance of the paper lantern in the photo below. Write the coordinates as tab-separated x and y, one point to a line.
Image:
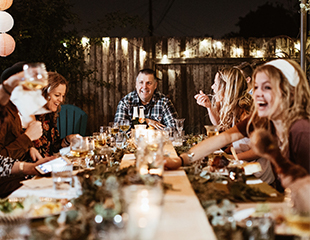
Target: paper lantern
7	44
5	4
6	21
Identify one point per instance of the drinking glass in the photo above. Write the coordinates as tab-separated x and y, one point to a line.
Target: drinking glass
36	76
114	128
212	130
149	152
144	207
99	140
120	140
62	178
124	125
79	148
179	124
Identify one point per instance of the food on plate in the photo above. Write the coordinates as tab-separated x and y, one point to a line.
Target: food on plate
7	206
46	209
251	167
219	161
31	207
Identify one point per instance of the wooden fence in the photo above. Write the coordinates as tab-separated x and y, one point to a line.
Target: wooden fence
184	65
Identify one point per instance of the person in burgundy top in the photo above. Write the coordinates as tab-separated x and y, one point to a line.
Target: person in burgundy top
282	106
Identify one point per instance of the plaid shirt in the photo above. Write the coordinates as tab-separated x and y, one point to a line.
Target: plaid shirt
160	108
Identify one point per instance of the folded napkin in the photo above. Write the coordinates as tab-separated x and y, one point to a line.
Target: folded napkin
28	103
38	183
64	151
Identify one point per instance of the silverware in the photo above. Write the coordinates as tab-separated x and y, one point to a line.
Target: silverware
233	151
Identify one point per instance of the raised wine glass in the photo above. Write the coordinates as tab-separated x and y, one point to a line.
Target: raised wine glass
36	76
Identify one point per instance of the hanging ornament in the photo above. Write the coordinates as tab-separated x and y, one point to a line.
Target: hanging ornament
5	4
6	21
7	44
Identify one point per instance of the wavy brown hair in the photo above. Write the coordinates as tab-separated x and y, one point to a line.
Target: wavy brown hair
54	80
294	102
237	102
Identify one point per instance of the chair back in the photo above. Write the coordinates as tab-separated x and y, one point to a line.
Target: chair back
71	120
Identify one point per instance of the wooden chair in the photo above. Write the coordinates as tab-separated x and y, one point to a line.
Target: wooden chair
71	120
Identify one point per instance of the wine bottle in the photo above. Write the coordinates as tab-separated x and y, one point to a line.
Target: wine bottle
141	115
135	117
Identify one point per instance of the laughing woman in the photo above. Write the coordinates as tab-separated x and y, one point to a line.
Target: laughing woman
282	106
55	92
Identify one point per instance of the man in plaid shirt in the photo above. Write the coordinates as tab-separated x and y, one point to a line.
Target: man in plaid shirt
158	109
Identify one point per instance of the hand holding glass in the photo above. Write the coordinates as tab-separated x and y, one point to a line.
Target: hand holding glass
36	76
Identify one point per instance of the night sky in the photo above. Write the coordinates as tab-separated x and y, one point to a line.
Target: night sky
184	18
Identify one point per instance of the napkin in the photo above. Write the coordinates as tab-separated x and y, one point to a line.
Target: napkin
38	183
64	151
28	103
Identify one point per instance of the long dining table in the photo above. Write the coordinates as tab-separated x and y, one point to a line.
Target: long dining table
182	215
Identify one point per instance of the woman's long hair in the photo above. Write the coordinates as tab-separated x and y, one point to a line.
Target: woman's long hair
294	102
236	102
54	80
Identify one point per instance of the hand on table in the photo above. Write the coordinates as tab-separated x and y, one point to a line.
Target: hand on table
34	130
155	124
29	168
202	99
172	163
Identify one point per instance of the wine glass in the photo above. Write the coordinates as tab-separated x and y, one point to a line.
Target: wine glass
36	76
114	128
179	125
212	130
79	148
124	125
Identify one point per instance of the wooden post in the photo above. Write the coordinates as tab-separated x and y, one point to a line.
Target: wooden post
303	35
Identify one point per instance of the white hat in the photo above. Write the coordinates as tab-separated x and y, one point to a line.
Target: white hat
287	69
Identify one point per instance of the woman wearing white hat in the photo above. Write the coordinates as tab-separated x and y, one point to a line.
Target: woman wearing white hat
282	105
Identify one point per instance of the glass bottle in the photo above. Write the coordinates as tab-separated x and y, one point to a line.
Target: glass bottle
141	115
135	117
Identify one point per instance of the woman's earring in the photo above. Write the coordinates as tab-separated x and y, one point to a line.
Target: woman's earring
48	97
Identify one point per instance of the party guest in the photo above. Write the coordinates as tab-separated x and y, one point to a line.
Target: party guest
14	141
55	92
282	106
213	106
158	109
236	106
8	165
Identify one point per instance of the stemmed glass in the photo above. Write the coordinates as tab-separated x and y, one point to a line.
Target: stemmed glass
35	76
124	125
179	125
79	148
114	128
212	130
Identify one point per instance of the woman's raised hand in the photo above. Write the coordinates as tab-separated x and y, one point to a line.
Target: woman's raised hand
202	99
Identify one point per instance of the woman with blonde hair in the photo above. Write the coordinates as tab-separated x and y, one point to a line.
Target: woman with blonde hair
282	105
